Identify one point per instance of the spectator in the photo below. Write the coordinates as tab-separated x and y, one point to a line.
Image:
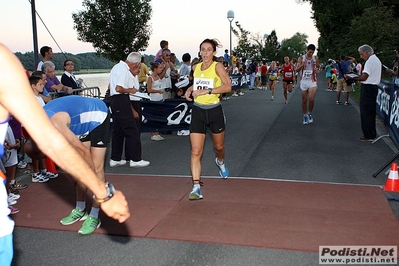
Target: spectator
394	71
185	67
154	89
164	45
334	80
126	115
47	54
263	75
68	79
344	66
144	73
166	74
10	160
44	94
370	78
226	56
328	75
234	59
53	84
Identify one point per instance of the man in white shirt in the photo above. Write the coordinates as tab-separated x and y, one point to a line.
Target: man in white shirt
126	112
47	54
370	78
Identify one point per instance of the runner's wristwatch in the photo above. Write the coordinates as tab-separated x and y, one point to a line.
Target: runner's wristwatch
209	91
110	190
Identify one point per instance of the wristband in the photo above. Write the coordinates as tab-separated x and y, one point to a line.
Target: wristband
110	190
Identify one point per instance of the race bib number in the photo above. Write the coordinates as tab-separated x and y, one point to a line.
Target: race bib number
203	84
288	74
307	74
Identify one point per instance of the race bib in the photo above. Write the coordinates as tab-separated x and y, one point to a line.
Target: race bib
307	74
203	84
288	74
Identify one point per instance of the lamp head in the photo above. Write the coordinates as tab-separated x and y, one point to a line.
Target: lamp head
230	15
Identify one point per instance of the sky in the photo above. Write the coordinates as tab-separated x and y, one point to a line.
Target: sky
183	23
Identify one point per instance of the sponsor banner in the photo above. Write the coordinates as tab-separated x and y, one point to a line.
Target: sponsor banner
347	255
239	81
387	108
168	115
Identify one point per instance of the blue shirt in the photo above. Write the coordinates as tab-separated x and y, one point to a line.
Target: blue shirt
344	68
86	113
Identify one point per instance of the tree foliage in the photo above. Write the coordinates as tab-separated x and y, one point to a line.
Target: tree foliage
114	27
346	25
256	47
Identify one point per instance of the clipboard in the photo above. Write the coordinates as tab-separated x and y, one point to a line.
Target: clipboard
352	75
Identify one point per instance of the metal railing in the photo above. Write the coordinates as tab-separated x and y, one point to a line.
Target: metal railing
91	92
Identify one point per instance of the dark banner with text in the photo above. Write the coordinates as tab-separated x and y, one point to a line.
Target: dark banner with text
387	108
168	115
239	81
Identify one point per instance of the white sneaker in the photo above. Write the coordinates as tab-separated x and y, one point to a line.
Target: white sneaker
157	138
113	163
13	196
234	95
183	132
141	163
48	174
39	178
11	202
241	93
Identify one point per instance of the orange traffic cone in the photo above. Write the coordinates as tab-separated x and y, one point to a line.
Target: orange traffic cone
392	183
50	166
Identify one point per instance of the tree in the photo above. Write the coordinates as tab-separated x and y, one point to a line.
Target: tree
114	27
381	38
294	46
245	48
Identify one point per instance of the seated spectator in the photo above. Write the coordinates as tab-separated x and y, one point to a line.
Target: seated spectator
53	84
68	79
44	94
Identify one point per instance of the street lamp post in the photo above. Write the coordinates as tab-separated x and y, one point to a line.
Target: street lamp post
230	17
265	37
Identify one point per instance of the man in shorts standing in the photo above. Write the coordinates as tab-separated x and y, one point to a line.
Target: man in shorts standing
309	66
344	67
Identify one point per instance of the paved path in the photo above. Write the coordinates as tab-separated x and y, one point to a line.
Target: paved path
264	139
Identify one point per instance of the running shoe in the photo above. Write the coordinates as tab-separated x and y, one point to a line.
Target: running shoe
13	210
18	186
11	201
195	194
48	174
21	165
305	120
223	171
38	178
13	196
74	216
310	118
89	226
